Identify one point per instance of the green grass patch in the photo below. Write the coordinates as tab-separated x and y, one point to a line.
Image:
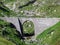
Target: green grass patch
28	27
50	36
9	32
3	41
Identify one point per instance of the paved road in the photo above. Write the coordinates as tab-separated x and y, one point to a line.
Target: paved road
40	23
12	20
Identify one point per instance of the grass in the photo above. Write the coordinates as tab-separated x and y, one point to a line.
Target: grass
3	41
48	9
50	36
9	32
5	11
51	11
28	27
